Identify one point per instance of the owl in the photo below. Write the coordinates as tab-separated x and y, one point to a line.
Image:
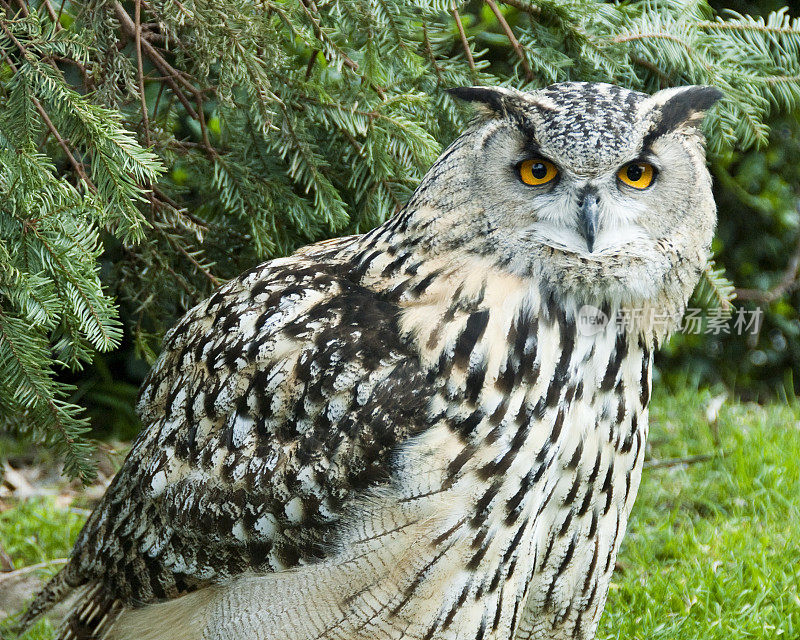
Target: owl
419	432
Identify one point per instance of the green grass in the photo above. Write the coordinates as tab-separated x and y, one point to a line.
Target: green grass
713	547
33	532
37	531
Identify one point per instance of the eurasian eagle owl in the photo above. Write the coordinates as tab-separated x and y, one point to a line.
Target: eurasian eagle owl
406	434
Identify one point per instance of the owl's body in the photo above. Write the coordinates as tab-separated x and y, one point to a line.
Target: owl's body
407	434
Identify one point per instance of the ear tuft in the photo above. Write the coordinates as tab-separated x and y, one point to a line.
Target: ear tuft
682	107
493	101
486	95
704	97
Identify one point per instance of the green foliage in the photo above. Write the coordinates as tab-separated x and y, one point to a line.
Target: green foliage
38	531
54	310
758	242
714	291
162	148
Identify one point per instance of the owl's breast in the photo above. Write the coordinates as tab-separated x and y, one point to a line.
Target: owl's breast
537	449
502	516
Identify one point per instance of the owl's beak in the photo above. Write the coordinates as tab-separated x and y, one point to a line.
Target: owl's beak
588	216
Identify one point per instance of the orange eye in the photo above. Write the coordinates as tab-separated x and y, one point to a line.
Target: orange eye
638	175
537	171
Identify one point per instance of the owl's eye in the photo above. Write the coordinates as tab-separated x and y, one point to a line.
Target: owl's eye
637	174
537	171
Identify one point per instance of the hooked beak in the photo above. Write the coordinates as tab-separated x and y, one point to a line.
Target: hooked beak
588	218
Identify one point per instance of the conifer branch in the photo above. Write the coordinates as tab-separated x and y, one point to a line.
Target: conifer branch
53	16
525	7
322	37
463	36
64	147
171	75
280	123
749	27
512	39
200	268
431	55
140	70
45	117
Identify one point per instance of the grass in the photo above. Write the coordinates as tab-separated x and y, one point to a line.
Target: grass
34	532
37	531
713	547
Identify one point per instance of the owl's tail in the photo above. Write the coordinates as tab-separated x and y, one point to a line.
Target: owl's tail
91	613
56	590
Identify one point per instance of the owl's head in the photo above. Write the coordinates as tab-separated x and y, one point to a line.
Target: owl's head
599	191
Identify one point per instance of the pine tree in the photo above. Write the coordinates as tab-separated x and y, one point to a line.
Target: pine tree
174	143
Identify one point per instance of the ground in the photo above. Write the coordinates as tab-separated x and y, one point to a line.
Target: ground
713	547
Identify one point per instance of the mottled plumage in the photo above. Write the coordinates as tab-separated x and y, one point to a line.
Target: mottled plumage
407	434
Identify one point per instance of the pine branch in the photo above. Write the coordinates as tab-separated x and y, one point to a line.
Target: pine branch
35	395
512	39
714	291
278	123
463	36
140	70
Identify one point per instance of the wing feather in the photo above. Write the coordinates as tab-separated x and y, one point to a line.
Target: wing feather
272	404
